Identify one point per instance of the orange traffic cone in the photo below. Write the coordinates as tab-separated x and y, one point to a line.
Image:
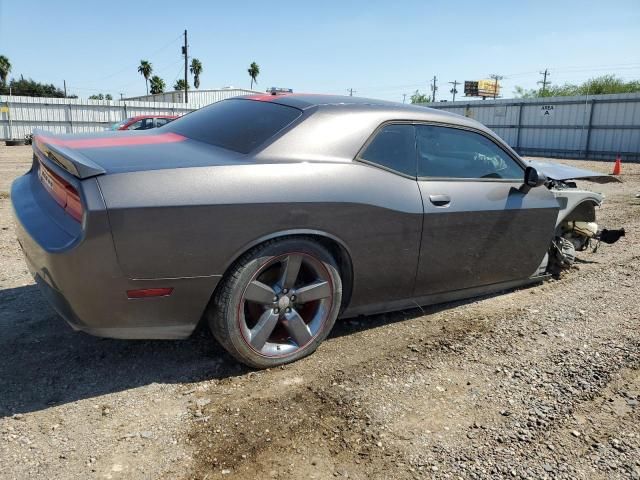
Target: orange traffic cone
617	168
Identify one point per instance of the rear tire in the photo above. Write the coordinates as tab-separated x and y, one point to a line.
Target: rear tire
277	303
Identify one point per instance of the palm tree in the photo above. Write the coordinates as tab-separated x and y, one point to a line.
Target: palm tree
254	71
145	69
157	84
180	85
5	68
196	70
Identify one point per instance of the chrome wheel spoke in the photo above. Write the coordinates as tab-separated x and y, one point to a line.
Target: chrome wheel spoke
314	291
258	292
291	268
296	327
264	328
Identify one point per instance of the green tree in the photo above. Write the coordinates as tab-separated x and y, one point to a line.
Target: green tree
594	86
196	71
31	88
157	84
253	71
100	96
418	97
179	85
145	69
5	68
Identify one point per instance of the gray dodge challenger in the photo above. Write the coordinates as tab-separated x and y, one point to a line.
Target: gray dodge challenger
271	215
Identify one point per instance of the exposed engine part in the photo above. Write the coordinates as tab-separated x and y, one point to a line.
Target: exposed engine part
579	233
559	184
561	255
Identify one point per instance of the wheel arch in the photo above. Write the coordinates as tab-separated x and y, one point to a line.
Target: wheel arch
336	246
584	210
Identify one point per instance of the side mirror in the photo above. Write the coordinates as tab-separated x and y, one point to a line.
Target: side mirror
532	179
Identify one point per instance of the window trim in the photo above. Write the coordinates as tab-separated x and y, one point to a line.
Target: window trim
372	137
418	178
489	137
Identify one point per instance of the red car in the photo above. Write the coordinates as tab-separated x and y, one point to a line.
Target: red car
143	122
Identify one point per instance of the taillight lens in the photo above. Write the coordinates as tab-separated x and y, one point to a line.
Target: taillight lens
62	192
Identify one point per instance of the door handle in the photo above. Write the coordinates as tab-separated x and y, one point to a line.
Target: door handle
440	200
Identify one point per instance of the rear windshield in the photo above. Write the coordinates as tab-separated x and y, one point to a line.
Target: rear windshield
238	125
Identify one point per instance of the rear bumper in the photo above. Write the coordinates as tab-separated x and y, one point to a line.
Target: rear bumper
81	279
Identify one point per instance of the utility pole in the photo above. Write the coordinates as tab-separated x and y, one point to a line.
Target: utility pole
544	80
121	96
433	89
185	52
454	90
496	78
65	88
404	98
351	91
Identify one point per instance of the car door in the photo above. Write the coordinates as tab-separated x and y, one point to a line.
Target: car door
391	246
478	227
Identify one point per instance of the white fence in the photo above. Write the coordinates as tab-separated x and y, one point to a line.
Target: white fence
19	116
596	127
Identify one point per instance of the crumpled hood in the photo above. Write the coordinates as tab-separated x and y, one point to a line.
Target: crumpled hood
557	171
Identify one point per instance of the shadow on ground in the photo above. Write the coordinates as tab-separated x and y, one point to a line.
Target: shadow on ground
45	363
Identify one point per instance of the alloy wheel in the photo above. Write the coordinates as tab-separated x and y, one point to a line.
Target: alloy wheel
285	304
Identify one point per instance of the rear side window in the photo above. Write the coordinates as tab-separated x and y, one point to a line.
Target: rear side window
454	153
162	121
393	147
238	125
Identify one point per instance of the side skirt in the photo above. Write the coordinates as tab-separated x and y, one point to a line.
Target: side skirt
442	297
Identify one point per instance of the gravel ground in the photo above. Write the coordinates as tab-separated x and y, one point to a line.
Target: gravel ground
541	382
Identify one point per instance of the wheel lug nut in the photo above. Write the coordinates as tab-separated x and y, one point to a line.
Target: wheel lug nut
285	291
275	299
276	310
288	309
293	298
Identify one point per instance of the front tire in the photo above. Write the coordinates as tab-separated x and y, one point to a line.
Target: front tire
278	302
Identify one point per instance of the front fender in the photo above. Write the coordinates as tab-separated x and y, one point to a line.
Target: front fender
582	202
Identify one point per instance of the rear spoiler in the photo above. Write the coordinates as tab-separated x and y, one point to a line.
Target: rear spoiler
71	160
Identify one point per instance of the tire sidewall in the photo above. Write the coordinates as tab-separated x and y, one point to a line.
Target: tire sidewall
246	271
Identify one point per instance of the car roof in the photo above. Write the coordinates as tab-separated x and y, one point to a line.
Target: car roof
346	123
139	117
345	104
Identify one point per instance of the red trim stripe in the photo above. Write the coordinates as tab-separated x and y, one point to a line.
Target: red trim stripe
116	141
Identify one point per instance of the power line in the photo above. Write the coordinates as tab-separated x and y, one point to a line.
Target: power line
454	90
351	91
544	80
434	87
185	52
127	68
496	78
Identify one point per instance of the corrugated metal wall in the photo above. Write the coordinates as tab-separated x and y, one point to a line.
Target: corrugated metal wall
597	127
19	116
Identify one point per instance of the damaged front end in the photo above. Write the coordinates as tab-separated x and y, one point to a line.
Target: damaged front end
576	227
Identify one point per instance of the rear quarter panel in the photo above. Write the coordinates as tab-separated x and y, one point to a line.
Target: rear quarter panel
196	221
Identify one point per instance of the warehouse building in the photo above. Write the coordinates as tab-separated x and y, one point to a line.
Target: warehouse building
197	98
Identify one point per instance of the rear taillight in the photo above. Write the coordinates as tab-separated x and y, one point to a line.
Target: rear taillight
62	192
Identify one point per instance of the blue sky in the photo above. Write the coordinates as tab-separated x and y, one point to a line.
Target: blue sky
381	49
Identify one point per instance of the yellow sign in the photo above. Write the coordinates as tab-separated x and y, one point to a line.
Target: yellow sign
4	109
488	87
